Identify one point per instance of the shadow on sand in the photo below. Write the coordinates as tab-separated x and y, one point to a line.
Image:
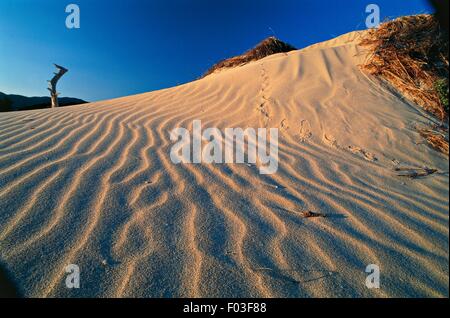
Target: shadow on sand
7	287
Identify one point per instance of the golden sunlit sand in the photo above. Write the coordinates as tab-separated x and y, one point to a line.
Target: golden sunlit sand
94	185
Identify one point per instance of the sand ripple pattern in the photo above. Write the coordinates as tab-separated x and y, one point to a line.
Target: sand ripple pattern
93	185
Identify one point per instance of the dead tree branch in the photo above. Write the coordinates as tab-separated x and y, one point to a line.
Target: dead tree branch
52	84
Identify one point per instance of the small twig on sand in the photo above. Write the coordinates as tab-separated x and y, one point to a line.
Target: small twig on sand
310	214
414	173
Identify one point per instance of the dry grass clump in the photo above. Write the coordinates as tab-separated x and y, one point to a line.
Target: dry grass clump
437	140
267	47
411	53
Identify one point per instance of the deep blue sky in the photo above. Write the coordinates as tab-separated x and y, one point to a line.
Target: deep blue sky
133	46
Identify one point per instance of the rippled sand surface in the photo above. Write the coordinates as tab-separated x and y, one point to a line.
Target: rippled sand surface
94	185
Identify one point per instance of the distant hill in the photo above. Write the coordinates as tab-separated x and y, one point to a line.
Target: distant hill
269	46
18	102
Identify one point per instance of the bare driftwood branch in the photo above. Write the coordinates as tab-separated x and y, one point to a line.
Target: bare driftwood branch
52	84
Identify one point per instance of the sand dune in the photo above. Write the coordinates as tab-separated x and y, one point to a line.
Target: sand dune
94	185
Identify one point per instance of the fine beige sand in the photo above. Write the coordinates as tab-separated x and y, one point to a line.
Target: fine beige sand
94	185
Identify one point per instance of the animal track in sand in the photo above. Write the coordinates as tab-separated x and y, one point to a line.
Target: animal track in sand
305	131
284	125
263	106
359	151
330	141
